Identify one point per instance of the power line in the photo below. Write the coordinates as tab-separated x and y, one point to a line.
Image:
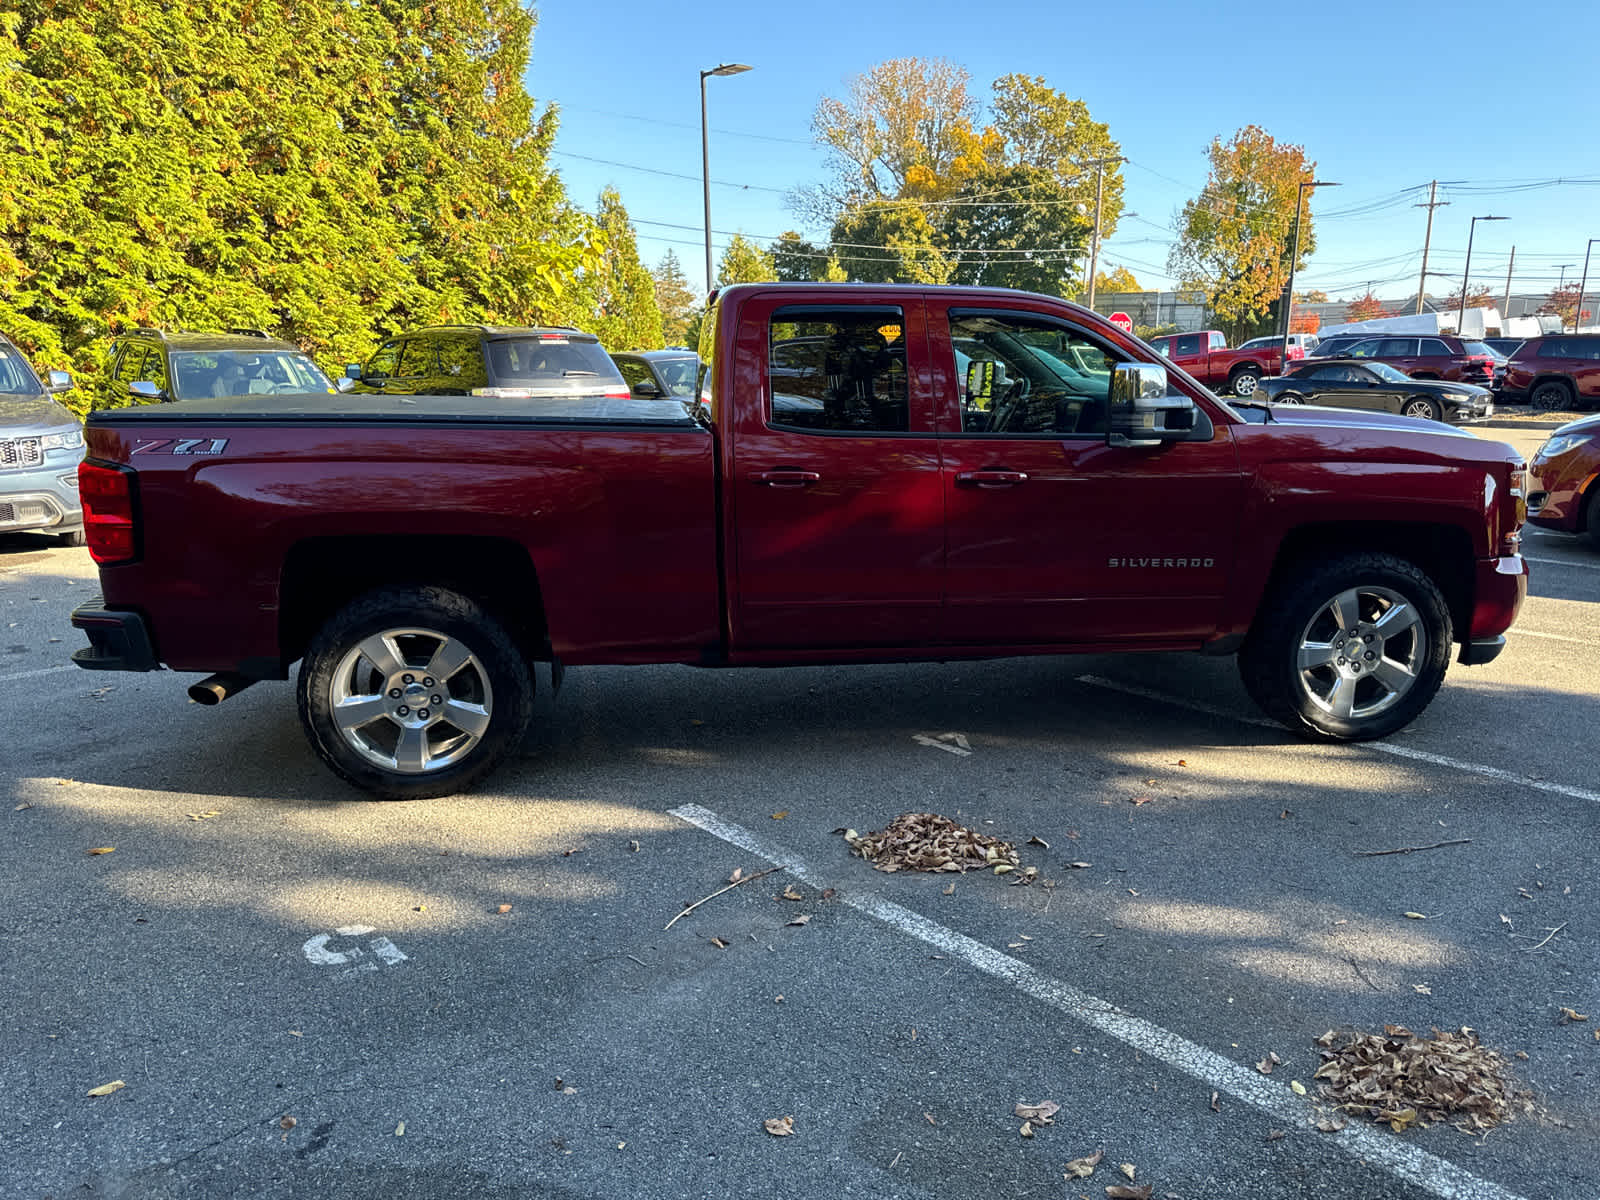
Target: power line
760	137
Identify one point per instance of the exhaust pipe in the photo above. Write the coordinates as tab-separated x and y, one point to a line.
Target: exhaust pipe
214	689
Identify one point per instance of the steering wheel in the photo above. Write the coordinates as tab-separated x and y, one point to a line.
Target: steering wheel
1009	405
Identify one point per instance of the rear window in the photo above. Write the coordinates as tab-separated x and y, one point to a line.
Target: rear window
1477	348
546	359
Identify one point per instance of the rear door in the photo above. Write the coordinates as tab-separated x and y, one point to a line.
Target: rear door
1054	537
837	518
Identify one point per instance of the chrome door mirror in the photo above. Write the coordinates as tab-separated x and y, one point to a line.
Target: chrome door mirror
59	381
1143	411
145	390
345	383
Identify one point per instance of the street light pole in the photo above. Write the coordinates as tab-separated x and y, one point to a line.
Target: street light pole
1577	311
705	151
1294	256
1461	312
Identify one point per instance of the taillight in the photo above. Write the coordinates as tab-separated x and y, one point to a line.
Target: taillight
1296	352
108	522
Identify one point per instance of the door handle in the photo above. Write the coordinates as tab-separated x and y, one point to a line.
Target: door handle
786	478
991	479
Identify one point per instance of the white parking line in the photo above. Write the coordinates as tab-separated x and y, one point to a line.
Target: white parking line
1438	760
1563	562
39	672
1399	1158
1553	637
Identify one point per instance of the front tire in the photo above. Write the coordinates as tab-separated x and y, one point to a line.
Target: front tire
1351	650
1553	395
1243	381
76	538
1420	406
414	692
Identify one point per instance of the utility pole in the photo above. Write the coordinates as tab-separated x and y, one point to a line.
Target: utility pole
1583	283
1427	239
1505	313
1100	165
1304	186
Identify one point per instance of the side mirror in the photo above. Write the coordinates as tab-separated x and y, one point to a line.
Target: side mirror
1142	412
980	381
352	370
145	390
646	390
59	381
345	383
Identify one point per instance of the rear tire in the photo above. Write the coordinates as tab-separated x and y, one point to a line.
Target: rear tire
360	672
1553	395
76	538
1348	651
1243	380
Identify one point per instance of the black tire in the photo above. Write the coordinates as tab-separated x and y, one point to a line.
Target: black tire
1591	516
495	680
76	538
1552	395
1290	398
1425	407
1243	380
1301	603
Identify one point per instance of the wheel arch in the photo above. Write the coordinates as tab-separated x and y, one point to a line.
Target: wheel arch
1444	552
323	574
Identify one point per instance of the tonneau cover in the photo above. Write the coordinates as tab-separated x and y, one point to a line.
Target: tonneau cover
321	408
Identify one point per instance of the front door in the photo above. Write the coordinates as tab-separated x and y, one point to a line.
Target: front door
1052	536
836	516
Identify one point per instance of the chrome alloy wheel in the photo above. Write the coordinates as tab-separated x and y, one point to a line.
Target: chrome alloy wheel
411	700
1360	654
1417	408
1244	384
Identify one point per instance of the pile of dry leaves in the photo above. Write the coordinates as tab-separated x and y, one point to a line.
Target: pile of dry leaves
929	842
1403	1079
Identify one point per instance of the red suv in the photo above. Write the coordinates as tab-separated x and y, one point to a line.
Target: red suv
1553	373
1439	357
1566	478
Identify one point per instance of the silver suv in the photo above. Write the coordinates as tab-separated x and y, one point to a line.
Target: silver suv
40	446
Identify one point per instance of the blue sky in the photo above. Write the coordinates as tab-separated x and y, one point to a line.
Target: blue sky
1383	98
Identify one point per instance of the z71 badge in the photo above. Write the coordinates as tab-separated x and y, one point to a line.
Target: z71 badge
182	446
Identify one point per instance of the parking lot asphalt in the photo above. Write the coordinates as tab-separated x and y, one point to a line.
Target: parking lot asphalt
305	993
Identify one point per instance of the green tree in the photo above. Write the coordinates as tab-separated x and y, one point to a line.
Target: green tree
676	300
1234	240
619	294
744	262
326	171
796	260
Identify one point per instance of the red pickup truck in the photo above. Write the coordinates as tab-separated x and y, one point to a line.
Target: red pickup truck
869	474
1205	355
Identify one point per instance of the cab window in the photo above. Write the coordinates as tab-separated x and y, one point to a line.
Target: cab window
1021	374
843	370
383	363
416	359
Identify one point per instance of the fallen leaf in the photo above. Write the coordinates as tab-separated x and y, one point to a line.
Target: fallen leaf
929	1118
1286	814
504	908
1331	1125
105	1089
1266	1064
1041	1112
1082	1168
719	943
103	850
1422	989
1138	800
778	999
779	1126
1505	920
801	919
1417	916
1027	1129
1215	1106
569	1090
1182	762
20	807
295	1033
1131	892
778	816
1400	1120
738	874
287	1123
1128	1169
1523	1054
1123	1191
828	893
1568	1015
1003	868
1038	841
1298	1088
400	1129
950	890
1080	865
1273	1135
792	893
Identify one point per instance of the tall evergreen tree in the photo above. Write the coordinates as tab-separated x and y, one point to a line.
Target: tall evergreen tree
620	294
675	299
745	262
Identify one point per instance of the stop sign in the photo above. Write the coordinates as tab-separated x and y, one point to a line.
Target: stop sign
1122	321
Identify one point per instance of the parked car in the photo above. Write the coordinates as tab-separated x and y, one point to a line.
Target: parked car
40	446
1565	480
660	374
499	361
1556	372
1307	343
1362	383
1206	356
1441	357
418	555
150	366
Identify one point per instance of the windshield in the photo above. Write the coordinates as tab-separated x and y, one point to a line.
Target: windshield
1384	371
16	376
679	374
244	373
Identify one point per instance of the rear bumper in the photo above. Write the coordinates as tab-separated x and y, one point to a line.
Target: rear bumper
1475	654
119	640
1502	586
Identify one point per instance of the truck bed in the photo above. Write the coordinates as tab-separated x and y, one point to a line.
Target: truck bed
320	408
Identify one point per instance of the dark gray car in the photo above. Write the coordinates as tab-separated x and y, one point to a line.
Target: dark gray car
1363	383
41	444
660	374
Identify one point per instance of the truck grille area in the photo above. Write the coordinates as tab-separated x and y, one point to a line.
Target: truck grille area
20	452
